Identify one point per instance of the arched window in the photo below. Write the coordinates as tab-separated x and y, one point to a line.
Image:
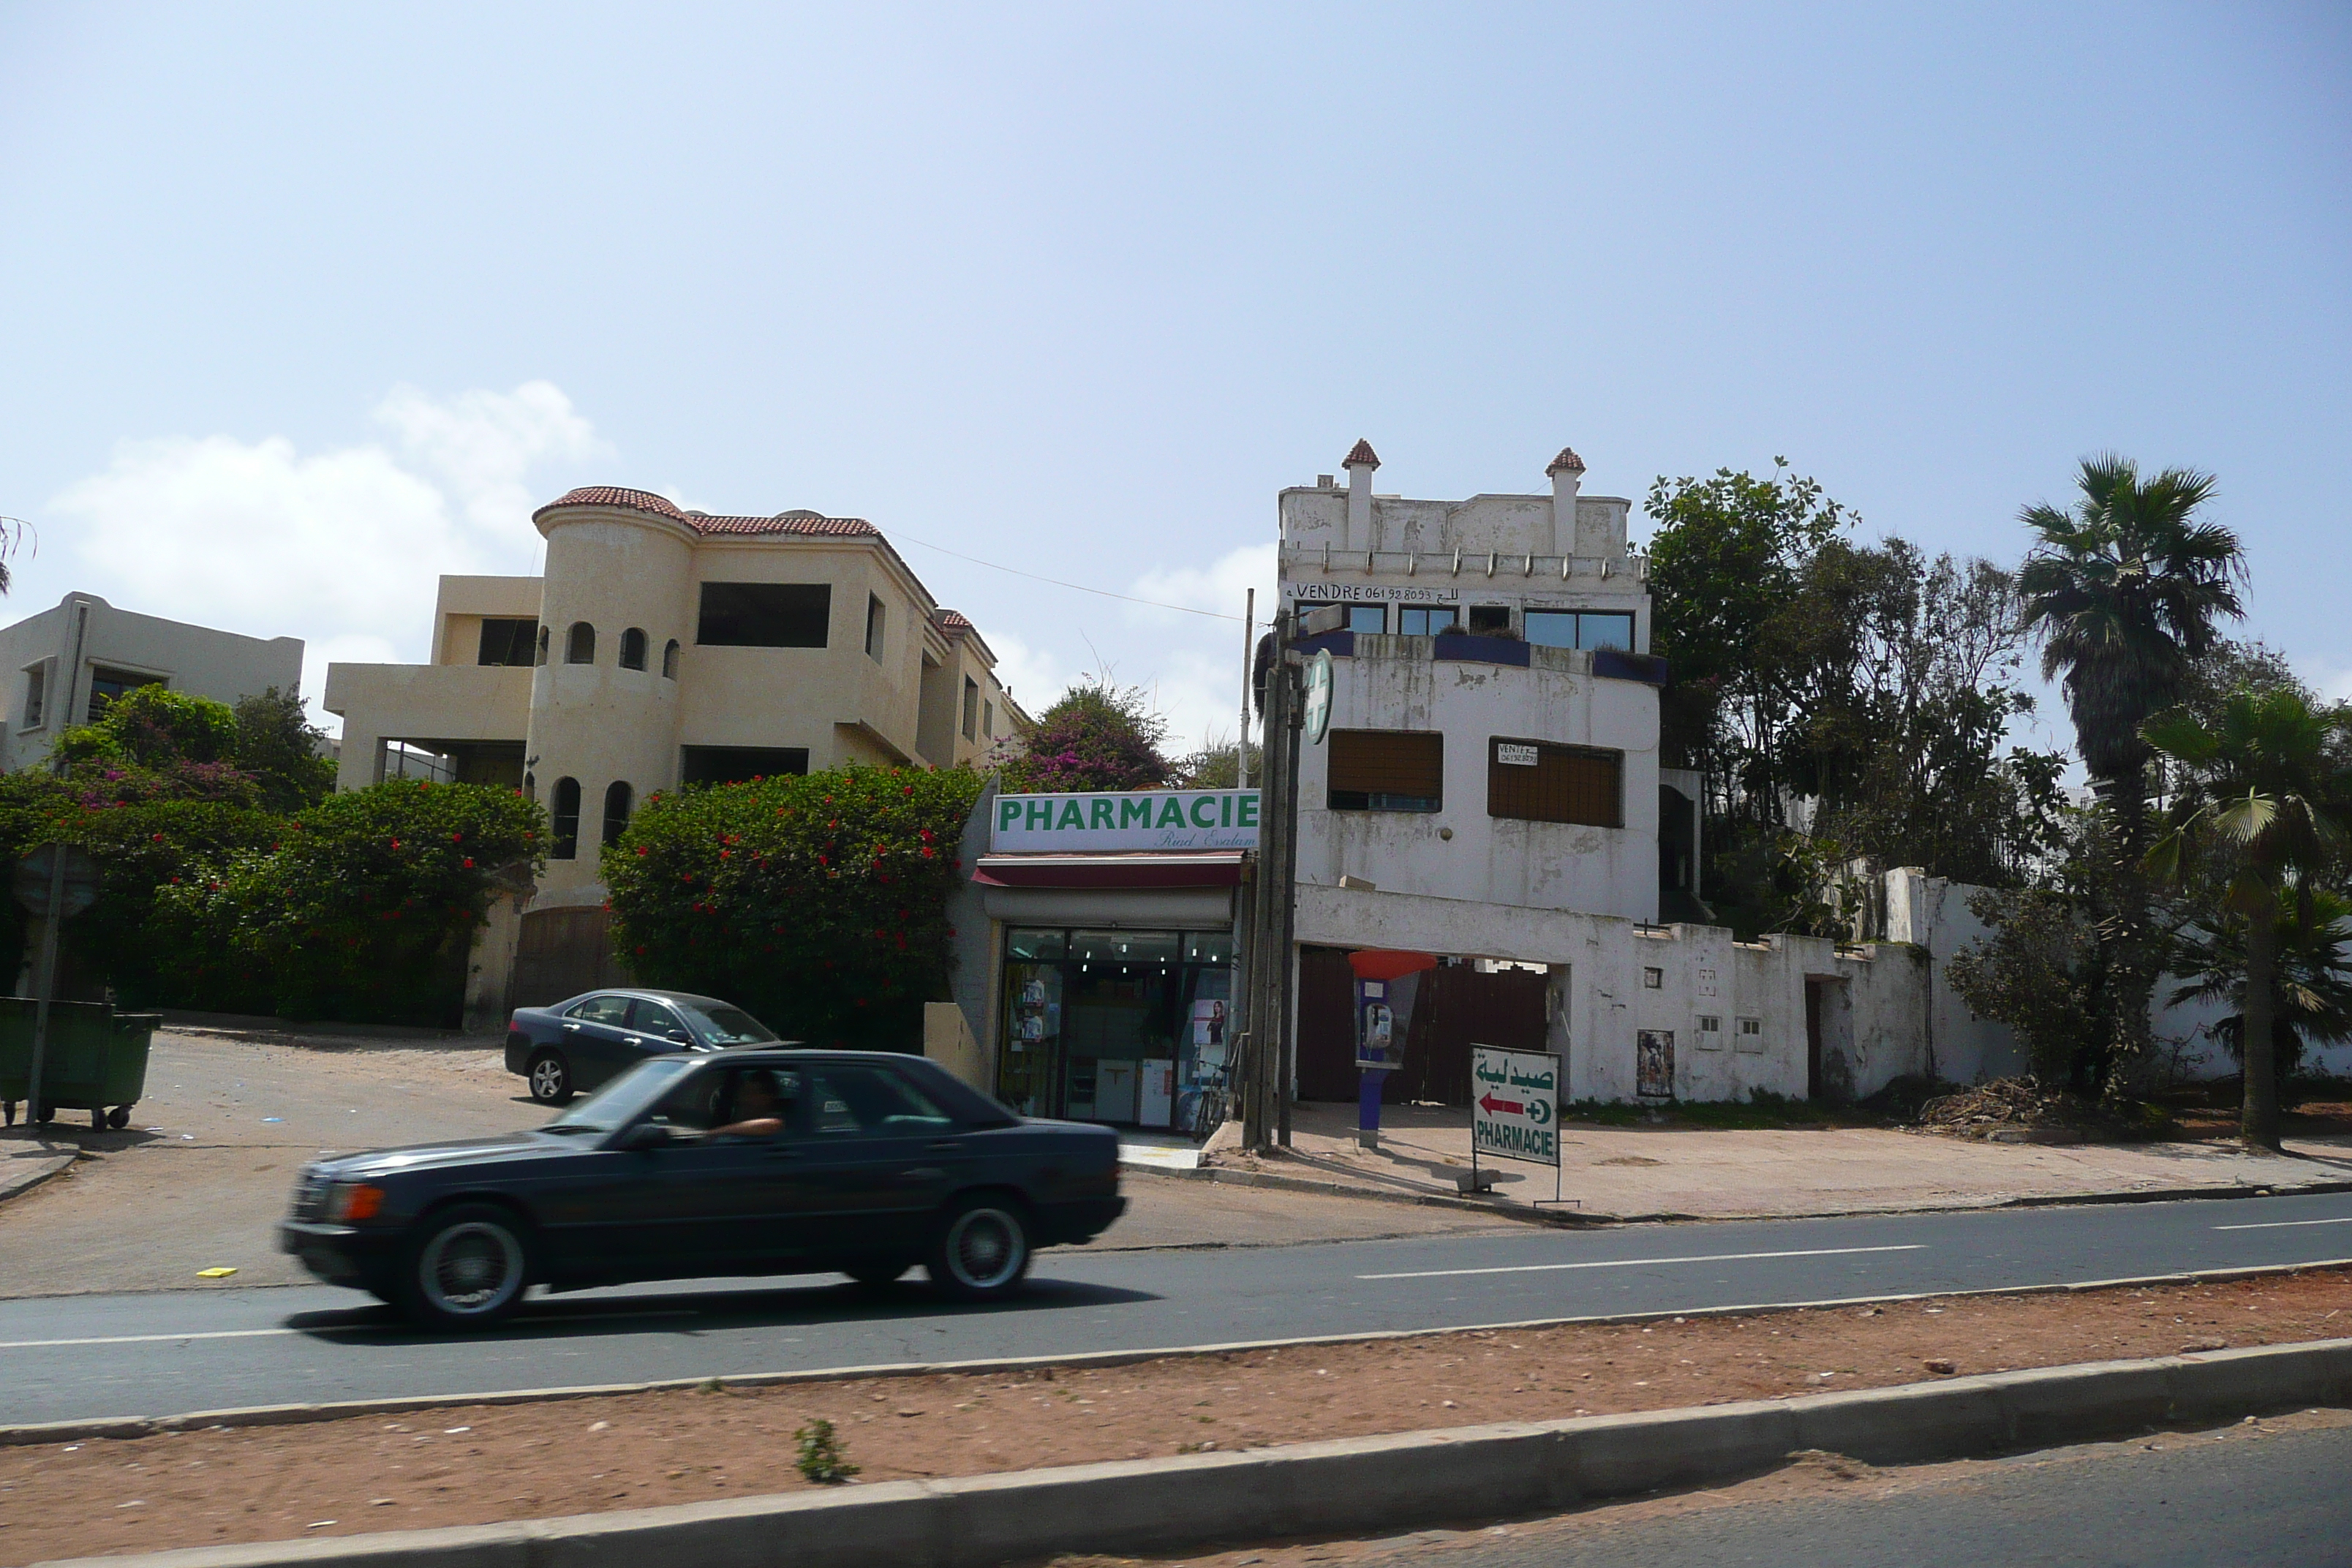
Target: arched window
618	797
580	643
669	660
632	648
564	804
542	647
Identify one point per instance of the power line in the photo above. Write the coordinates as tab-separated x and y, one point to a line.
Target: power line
1057	582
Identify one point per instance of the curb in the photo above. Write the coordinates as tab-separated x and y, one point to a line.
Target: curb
124	1427
14	1183
1355	1485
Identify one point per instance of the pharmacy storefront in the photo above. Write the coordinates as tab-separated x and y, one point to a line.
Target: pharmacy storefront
1110	922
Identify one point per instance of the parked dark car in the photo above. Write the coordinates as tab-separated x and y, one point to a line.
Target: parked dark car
746	1161
586	1041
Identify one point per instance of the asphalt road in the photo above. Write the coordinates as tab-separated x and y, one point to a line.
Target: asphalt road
169	1352
2188	1501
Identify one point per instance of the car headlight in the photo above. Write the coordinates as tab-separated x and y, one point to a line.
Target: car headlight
352	1201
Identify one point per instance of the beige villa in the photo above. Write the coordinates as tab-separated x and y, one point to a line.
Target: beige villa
663	647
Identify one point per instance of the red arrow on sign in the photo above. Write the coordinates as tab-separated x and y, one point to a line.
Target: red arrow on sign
1490	1105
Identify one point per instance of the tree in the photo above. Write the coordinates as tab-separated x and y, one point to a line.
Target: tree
2036	970
2267	812
1217	767
1096	736
283	752
2125	593
2311	988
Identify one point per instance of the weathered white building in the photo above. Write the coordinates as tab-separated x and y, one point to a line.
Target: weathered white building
121	649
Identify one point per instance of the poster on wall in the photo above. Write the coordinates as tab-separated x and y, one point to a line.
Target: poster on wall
1209	1017
1654	1064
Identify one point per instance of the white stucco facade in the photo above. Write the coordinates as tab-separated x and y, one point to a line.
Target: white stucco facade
48	694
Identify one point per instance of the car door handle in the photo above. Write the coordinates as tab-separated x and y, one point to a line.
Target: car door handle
947	1146
633	1040
569	1028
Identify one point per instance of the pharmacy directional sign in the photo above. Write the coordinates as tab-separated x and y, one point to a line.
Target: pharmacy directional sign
1515	1104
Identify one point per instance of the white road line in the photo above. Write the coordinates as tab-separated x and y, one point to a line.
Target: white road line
1643	1262
143	1339
2286	1224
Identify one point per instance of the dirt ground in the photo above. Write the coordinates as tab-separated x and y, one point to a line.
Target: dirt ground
466	1464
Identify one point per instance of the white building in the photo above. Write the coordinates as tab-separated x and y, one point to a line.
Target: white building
121	649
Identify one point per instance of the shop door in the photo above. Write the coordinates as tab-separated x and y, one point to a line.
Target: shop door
1327	1026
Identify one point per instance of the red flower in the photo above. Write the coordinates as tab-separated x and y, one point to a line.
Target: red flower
640	851
395	844
158	839
931	854
469	866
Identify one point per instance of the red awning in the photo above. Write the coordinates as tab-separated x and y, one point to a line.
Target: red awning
1385	963
1196	868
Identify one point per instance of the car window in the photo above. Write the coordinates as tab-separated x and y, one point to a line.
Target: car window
853	1101
620	1101
613	1010
653	1018
710	1099
725	1025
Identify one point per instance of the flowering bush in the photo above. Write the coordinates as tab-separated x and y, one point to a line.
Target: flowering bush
818	903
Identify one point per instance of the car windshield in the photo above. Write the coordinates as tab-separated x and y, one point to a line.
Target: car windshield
725	1025
622	1100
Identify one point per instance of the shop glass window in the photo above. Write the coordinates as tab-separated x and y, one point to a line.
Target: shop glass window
1208	947
1536	780
1386	770
1424	620
765	615
1372	618
507	641
1033	944
1122	1027
1123	946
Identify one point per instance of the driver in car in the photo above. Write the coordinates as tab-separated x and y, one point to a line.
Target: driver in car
759	1107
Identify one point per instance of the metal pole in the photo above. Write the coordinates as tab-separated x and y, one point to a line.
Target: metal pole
45	982
1287	1066
1269	961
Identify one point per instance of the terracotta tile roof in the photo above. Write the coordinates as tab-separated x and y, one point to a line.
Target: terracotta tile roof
952	625
802	522
1567	459
1364	454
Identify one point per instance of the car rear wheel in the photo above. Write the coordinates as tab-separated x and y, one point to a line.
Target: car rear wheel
549	1076
467	1268
982	1251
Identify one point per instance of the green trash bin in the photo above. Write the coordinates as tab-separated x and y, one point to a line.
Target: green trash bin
96	1061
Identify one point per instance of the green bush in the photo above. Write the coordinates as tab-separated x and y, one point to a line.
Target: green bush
362	908
818	903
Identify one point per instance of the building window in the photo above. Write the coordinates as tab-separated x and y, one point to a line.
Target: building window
765	615
1490	620
36	688
1386	770
737	764
507	641
632	648
669	660
874	619
1750	1036
542	644
1424	620
618	798
580	643
971	708
1582	628
563	805
1710	1032
1653	979
1372	618
1536	780
988	721
106	685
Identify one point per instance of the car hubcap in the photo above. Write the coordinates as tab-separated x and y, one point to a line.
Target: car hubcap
986	1248
471	1269
547	1080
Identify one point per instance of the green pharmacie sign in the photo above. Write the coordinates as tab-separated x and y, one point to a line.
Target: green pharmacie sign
1130	820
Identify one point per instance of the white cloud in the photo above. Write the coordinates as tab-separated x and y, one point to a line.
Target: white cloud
343	549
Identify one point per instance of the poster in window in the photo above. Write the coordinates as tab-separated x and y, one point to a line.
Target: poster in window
1654	1064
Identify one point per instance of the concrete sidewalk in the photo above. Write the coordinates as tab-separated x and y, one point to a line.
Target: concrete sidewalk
1670	1173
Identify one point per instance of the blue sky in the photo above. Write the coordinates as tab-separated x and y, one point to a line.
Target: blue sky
303	305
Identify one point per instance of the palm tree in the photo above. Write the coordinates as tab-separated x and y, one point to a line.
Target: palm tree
2125	593
2267	809
2311	989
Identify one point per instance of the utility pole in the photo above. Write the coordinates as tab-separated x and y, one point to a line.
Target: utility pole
1269	961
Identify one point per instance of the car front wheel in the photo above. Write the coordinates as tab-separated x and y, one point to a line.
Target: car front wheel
982	1250
550	1078
467	1268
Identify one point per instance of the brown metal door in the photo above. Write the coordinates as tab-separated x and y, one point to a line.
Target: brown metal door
561	953
1326	1025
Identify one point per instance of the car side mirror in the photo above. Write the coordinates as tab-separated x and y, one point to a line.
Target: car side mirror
646	1136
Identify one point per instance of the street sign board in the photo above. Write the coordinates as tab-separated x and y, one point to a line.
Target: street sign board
1515	1104
1318	696
34	871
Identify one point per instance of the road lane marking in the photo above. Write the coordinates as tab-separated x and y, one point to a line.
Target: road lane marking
2286	1224
1643	1262
143	1339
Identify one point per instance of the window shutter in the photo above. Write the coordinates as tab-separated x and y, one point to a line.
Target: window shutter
1567	784
1387	762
